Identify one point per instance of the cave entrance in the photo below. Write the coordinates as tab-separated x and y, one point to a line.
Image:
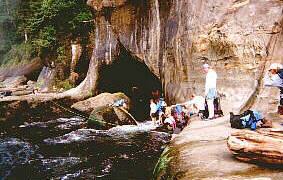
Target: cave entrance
129	75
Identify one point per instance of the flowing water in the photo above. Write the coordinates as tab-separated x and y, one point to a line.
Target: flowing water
65	149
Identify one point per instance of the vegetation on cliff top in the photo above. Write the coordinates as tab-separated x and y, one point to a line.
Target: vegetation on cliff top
47	26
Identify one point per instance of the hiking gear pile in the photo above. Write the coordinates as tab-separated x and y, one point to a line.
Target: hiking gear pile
248	119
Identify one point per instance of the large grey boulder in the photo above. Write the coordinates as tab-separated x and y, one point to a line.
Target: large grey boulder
103	99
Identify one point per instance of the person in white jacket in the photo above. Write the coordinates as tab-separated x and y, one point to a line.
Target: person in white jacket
210	88
274	78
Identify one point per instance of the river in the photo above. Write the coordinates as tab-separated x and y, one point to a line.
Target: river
64	148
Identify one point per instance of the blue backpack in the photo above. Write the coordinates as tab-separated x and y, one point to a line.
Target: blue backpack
248	119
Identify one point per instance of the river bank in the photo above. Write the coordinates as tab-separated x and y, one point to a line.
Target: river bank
200	152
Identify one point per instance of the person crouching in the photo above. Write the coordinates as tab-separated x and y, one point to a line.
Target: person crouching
153	111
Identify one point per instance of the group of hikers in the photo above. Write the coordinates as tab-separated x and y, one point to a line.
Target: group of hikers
208	107
178	115
172	117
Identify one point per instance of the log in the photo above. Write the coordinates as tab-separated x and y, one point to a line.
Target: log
261	146
19	88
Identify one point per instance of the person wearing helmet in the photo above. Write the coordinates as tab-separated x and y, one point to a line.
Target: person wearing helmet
274	78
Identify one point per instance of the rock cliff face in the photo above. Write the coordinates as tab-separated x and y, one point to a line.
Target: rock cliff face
174	37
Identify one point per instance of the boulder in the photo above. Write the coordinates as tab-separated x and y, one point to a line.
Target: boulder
261	146
46	79
29	69
12	82
103	99
106	117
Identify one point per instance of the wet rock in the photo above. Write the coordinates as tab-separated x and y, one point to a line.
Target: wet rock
13	153
33	108
31	83
103	99
105	117
13	82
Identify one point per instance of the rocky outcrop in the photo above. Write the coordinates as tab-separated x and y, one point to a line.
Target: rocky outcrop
46	79
264	146
76	55
200	152
173	38
21	70
13	82
103	99
103	112
106	117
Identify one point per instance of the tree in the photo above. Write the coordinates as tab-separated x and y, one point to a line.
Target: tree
53	21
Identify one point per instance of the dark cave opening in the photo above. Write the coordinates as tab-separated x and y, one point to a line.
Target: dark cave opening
131	76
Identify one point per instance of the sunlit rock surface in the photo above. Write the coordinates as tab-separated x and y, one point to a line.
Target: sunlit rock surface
201	152
173	38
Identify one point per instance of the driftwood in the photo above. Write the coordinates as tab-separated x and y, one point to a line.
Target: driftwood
261	146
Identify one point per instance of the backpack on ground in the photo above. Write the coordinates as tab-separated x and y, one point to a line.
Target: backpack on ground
237	121
217	109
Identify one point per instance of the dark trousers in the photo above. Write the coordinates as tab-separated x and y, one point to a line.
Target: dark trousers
281	96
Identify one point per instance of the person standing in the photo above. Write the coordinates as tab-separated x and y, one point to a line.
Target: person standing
274	78
210	89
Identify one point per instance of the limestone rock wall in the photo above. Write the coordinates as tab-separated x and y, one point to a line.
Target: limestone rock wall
174	37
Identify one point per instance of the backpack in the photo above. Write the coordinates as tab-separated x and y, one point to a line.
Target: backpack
217	109
236	121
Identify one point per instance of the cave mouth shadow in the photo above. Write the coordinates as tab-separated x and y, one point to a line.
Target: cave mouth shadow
128	74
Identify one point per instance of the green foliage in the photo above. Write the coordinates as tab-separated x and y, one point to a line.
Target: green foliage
55	20
66	85
61	54
48	24
7	25
162	164
20	53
